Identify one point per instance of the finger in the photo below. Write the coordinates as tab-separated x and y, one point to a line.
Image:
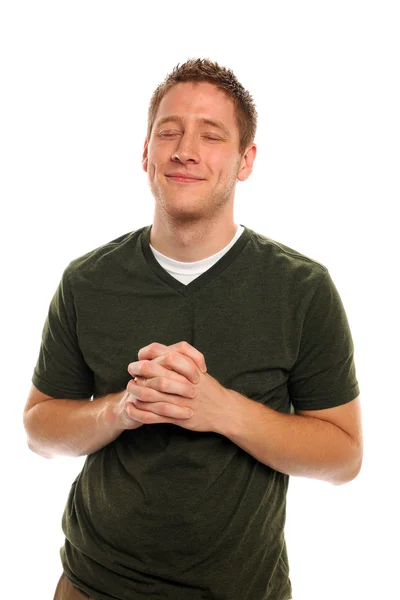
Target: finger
147	369
161	412
180	364
150	393
172	361
165	385
152	351
156	349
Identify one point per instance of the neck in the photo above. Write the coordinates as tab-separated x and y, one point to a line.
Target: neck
190	242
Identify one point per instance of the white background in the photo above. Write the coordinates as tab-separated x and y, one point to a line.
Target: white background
76	79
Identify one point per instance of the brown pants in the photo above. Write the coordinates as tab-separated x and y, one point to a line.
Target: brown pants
66	591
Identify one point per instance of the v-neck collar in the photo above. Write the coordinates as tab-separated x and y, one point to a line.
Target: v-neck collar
201	280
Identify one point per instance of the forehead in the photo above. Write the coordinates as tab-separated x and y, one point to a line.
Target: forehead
198	100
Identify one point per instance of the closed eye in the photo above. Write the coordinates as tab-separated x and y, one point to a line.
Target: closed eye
174	133
162	134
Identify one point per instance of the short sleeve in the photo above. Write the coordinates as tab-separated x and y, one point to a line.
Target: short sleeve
324	375
61	371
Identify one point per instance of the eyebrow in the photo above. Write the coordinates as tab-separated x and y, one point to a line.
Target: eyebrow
212	122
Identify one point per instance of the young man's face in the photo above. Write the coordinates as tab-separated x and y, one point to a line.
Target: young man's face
184	141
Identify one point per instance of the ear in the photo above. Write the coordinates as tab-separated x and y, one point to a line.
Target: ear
145	155
246	165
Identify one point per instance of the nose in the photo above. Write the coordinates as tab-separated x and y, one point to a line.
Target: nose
186	150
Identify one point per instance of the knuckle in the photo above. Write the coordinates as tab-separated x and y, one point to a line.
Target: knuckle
145	367
147	418
143	352
163	384
167	409
146	394
175	411
135	414
174	354
156	347
169	359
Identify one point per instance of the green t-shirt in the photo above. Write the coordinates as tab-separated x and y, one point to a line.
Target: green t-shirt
163	512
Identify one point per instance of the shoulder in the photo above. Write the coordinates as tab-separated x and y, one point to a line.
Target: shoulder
283	263
105	259
278	251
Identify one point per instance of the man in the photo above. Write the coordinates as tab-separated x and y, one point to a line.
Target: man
219	362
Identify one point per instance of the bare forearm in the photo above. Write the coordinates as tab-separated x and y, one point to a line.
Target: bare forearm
292	444
72	427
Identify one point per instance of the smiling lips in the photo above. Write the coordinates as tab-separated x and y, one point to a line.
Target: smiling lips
183	178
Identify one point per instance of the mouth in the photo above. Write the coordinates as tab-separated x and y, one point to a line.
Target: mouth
180	179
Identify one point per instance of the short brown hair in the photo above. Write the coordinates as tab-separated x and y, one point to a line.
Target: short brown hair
203	69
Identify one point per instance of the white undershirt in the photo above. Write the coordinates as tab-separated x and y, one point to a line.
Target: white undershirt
185	272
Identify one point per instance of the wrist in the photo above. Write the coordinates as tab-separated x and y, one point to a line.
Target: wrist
111	415
234	405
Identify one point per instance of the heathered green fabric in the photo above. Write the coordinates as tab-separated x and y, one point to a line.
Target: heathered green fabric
163	512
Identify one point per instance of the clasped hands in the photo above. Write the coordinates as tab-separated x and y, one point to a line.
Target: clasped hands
171	385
